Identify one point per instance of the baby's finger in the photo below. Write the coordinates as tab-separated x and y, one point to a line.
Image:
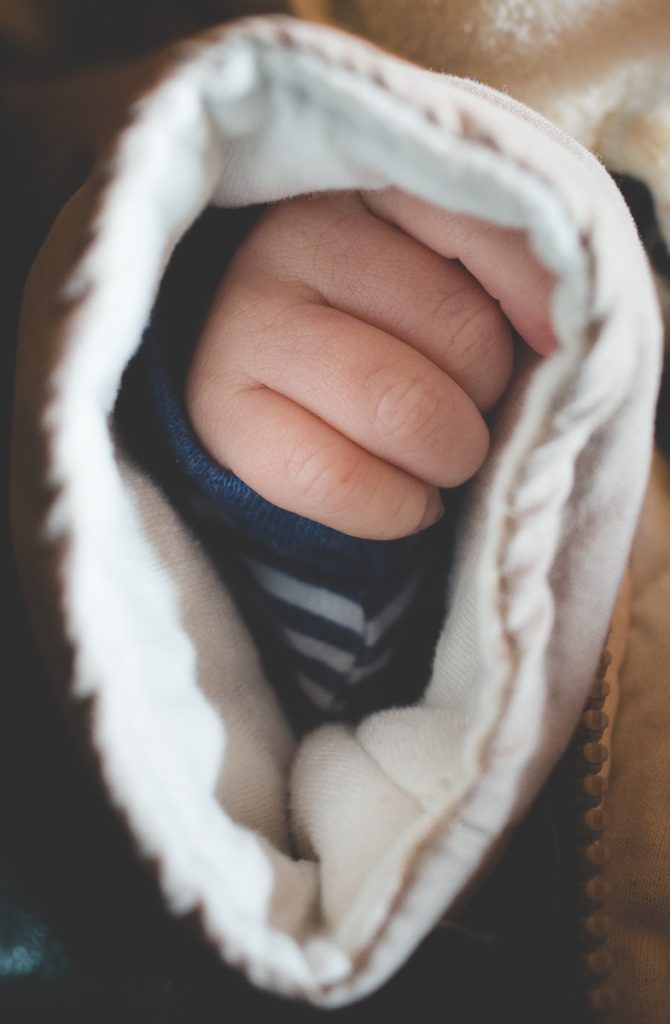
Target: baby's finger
301	464
500	258
372	388
358	263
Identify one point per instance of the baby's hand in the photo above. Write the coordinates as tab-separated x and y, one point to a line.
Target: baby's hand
351	350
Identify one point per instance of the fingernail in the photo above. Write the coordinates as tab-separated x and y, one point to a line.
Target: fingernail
433	512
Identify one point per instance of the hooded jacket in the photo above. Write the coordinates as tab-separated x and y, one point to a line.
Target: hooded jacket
317	864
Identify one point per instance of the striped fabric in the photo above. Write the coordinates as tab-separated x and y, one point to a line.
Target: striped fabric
340	632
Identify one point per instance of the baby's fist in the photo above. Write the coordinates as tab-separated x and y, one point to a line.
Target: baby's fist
349	355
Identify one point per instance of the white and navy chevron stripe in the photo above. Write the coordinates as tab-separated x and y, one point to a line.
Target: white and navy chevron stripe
338	637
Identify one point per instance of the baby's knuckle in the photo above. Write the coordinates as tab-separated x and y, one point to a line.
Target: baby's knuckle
320	476
477	340
405	409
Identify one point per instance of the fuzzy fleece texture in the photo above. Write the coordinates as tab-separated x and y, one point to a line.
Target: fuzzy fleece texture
318	864
597	68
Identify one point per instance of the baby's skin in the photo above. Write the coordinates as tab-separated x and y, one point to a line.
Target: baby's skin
351	352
